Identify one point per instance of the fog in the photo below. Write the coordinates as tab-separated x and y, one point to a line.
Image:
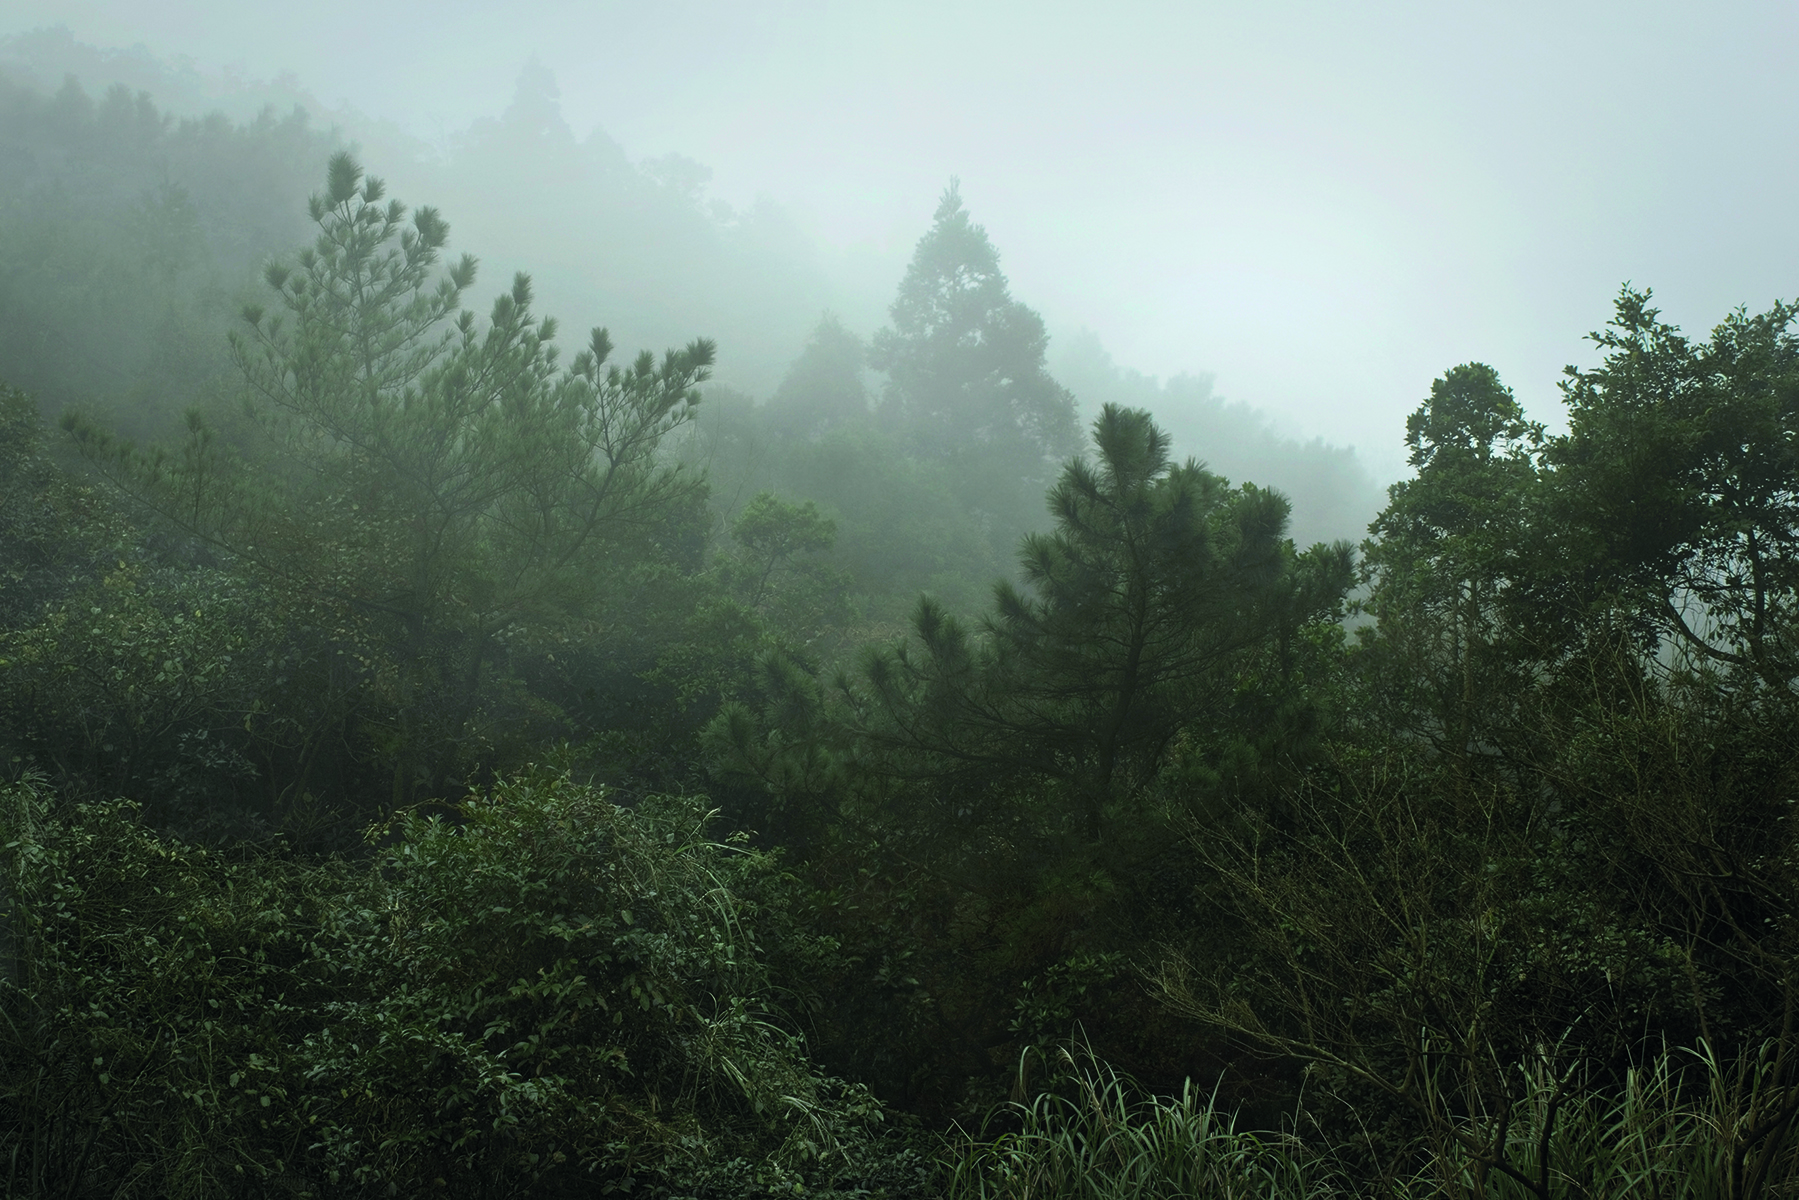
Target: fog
1060	638
1321	208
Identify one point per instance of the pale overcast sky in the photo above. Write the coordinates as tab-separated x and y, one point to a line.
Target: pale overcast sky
1323	204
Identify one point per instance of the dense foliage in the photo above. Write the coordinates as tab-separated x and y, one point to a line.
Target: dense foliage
535	990
435	766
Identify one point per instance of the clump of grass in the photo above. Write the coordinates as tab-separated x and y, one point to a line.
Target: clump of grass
1095	1138
1649	1139
1687	1125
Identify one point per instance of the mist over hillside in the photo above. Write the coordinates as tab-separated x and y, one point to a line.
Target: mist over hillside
638	245
1334	494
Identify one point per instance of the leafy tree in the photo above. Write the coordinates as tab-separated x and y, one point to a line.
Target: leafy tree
823	389
772	533
1406	936
124	233
1449	558
1676	479
55	535
548	990
1415	928
778	569
136	682
1464	957
901	527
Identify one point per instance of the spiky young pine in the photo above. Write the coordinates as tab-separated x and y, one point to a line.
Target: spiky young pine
1155	580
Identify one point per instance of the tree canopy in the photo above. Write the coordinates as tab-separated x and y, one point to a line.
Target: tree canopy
453	766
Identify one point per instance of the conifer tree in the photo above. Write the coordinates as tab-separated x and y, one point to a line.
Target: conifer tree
1140	612
1155	578
440	477
965	368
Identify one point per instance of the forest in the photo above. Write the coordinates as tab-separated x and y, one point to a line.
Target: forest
448	752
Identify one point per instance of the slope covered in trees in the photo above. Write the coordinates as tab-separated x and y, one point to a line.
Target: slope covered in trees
440	762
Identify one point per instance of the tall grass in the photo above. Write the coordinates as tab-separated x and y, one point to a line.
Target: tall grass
1095	1138
1674	1129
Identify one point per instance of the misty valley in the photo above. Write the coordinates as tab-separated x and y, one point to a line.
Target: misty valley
455	743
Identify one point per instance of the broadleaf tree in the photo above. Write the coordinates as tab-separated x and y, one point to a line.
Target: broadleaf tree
1679	481
1448	563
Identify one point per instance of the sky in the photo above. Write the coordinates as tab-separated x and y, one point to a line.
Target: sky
1324	205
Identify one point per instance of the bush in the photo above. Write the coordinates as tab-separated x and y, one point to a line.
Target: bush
534	992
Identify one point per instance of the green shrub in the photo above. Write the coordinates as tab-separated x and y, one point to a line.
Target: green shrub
156	1003
535	992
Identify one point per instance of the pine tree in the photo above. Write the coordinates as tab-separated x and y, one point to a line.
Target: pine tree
1142	612
1138	607
443	478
